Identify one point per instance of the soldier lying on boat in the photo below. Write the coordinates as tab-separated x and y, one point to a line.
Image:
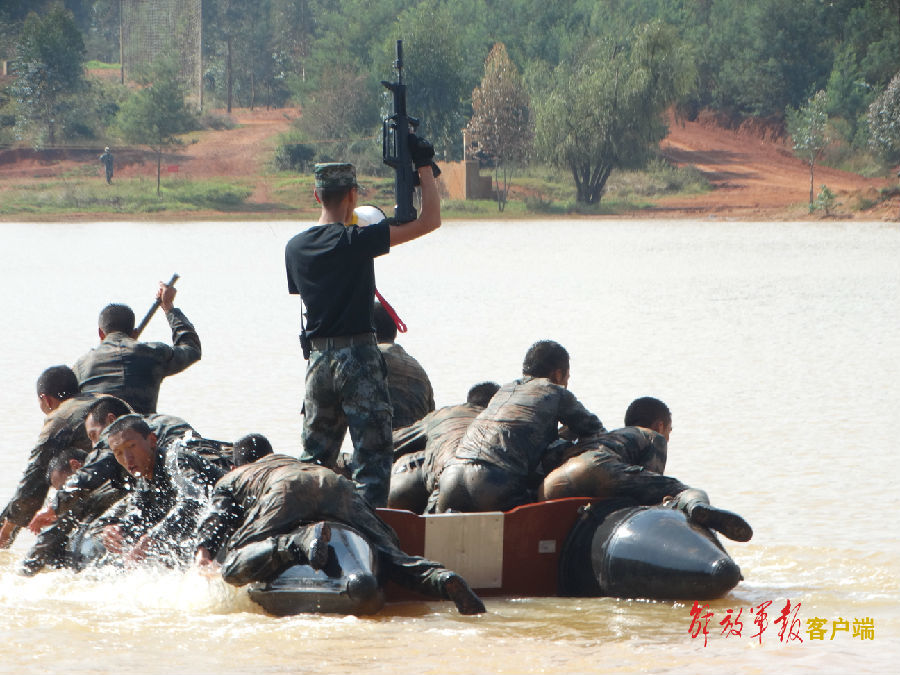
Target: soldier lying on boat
171	489
132	370
411	394
629	463
421	449
494	463
272	511
100	473
65	408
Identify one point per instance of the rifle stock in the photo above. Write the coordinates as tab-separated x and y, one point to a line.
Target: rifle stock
395	145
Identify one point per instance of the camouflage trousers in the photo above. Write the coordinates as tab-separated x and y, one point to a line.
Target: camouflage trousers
347	387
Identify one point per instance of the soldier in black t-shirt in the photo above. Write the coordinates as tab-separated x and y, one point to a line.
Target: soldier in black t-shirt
331	266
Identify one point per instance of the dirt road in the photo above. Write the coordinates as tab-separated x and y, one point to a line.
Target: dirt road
754	176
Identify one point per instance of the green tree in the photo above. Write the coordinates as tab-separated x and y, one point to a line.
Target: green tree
49	69
500	129
884	121
156	114
808	127
604	111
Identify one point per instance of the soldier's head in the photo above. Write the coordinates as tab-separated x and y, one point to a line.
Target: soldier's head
385	328
549	359
103	412
337	189
54	386
482	393
650	413
64	465
250	448
133	444
115	319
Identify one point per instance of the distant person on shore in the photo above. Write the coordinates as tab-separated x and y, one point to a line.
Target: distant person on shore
107	160
132	370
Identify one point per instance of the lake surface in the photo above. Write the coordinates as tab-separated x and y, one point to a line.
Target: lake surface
776	345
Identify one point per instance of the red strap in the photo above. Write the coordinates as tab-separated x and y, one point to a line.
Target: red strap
390	310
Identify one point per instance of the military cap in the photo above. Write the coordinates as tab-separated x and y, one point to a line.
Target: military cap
335	175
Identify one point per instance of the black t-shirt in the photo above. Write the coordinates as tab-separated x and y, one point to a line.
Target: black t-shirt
332	268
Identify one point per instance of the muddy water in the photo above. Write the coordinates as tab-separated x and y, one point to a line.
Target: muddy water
775	344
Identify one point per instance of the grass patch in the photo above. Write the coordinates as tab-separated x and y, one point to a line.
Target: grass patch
93	64
123	196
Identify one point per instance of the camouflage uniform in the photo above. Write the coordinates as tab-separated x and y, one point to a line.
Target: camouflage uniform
168	506
408	491
347	387
332	267
627	462
63	428
90	491
411	394
436	436
275	496
494	465
132	370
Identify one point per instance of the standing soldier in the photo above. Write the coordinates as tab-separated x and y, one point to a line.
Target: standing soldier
107	159
332	266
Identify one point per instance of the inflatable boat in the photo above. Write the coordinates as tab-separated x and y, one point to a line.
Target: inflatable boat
566	547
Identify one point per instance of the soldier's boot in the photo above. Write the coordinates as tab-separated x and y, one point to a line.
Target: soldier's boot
310	545
695	504
456	589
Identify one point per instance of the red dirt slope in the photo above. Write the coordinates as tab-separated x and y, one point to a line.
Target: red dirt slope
754	176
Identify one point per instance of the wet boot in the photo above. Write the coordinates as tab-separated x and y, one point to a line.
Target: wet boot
456	589
695	504
309	545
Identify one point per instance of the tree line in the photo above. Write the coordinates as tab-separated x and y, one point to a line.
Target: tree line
580	84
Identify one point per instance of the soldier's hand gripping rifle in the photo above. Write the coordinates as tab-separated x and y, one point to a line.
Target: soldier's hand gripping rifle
396	136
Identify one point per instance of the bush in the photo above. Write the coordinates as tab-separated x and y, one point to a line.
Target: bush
217	122
825	201
294	157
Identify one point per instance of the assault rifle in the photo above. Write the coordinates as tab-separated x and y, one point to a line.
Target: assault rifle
395	132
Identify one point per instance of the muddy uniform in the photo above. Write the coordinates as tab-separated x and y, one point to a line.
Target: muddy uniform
63	428
272	497
169	505
411	394
332	267
494	464
89	492
423	449
627	462
134	370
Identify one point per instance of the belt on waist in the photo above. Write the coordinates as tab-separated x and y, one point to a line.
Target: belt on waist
320	344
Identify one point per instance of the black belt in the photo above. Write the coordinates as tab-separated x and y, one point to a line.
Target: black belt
320	344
